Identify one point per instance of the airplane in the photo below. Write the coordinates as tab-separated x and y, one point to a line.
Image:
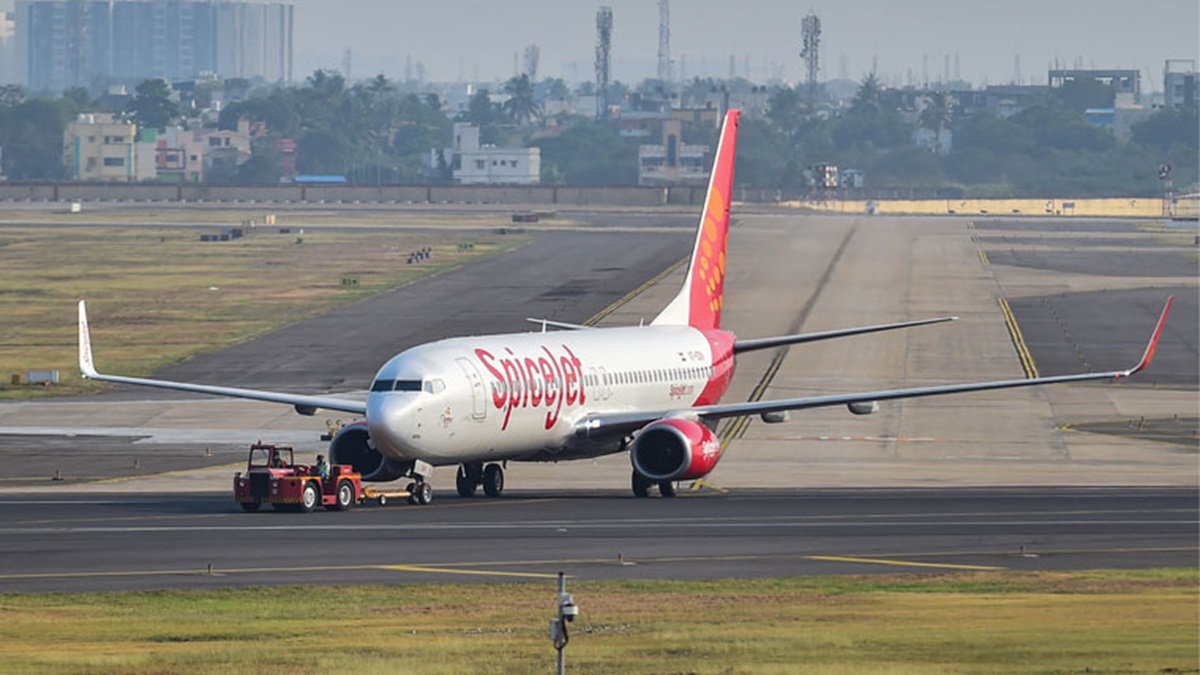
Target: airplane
652	391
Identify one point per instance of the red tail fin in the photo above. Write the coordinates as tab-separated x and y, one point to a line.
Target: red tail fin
699	301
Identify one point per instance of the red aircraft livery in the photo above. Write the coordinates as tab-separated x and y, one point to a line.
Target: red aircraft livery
546	380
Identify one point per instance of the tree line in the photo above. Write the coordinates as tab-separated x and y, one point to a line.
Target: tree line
374	132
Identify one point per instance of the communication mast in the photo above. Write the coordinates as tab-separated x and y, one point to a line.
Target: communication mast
604	25
532	55
810	53
664	41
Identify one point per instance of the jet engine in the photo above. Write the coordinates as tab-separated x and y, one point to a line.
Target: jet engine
352	445
675	449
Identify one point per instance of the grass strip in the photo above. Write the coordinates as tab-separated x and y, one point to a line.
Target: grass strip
990	622
158	295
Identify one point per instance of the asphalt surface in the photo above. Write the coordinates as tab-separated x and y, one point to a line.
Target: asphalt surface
67	541
201	541
1108	330
565	276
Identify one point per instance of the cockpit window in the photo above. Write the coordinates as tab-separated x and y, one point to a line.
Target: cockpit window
396	385
434	386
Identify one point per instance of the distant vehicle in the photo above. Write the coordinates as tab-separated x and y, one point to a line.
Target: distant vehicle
653	391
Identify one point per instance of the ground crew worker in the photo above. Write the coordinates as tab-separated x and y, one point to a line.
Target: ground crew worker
322	467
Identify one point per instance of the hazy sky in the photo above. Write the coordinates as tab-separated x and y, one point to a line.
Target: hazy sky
476	39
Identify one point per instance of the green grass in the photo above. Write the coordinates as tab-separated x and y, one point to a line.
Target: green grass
157	295
1097	621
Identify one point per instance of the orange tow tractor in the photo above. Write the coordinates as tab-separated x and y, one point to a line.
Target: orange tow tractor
273	477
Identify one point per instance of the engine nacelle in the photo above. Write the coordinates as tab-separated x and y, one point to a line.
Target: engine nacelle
352	445
675	449
863	407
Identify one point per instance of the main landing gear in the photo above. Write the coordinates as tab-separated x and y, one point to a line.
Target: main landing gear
642	485
474	474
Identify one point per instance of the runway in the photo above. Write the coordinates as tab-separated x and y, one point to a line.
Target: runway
921	486
154	541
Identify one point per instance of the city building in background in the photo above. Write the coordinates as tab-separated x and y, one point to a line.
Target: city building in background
95	43
471	163
103	147
8	49
1179	83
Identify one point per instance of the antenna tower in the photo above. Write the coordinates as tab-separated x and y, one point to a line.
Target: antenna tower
664	41
604	26
532	54
810	53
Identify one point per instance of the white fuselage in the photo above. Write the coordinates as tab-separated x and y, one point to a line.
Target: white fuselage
523	395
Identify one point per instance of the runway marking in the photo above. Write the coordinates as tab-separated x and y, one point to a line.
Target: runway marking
486	573
472	567
736	427
1018	340
901	563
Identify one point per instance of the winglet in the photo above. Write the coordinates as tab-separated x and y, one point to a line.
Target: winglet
86	365
1152	346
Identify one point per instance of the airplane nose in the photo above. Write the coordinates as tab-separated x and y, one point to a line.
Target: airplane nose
389	421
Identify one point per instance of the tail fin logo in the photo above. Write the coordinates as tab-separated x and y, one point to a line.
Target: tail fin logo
710	260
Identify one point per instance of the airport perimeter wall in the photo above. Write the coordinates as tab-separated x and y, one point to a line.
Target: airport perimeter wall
1115	207
532	195
518	196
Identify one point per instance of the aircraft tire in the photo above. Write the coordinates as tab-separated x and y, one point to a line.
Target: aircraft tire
424	493
251	507
463	482
666	488
493	480
641	485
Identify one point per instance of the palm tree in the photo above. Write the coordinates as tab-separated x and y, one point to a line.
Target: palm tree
938	113
521	106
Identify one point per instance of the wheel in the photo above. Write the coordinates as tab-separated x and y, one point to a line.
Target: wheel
251	507
666	488
411	489
345	496
493	480
465	484
383	500
309	498
424	493
641	485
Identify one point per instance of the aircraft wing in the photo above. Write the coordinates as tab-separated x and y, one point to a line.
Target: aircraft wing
622	423
766	343
305	405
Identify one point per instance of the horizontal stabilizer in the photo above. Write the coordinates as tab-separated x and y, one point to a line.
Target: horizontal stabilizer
558	324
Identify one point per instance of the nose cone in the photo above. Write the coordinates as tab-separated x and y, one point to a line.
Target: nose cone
389	421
